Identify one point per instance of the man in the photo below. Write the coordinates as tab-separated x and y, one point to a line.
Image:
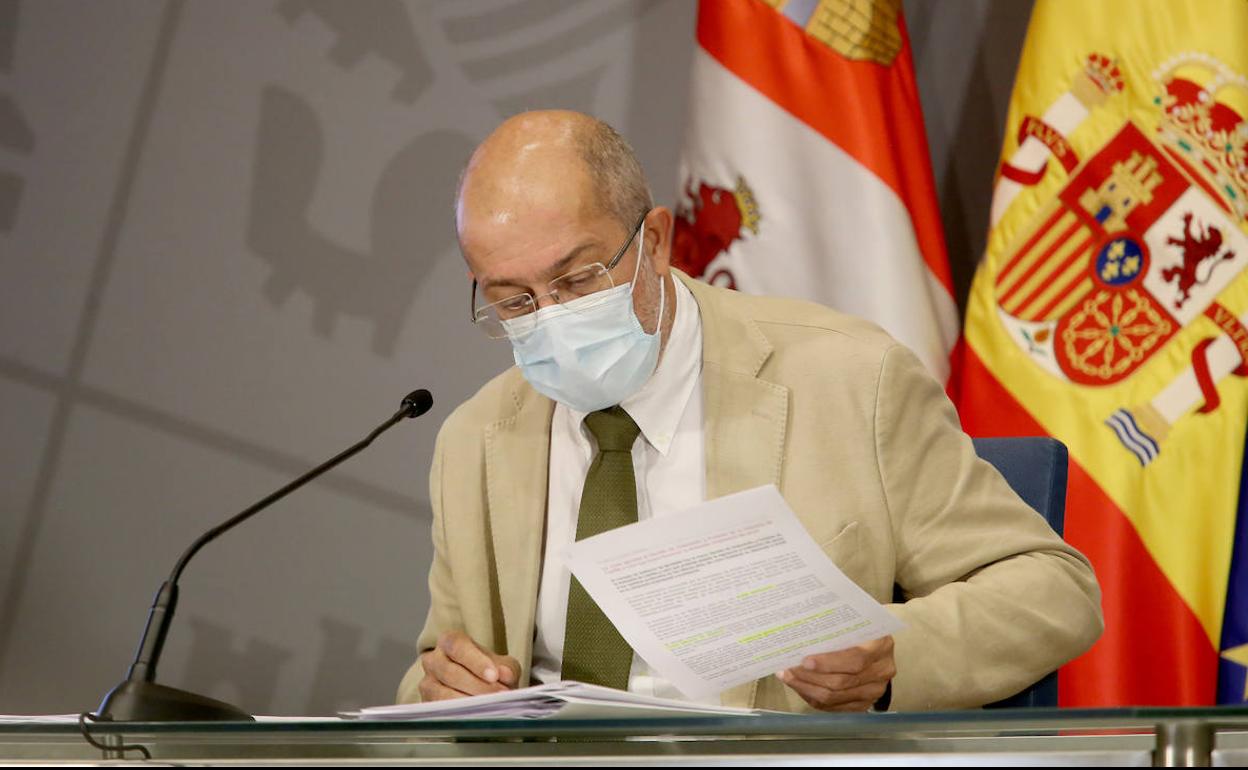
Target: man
707	392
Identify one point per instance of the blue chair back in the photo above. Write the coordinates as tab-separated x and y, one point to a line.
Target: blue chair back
1035	468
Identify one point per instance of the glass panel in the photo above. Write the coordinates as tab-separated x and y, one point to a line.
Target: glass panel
1057	736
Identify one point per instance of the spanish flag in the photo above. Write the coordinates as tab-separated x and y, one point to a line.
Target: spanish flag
805	168
1111	312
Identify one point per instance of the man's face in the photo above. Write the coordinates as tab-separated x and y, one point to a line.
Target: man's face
519	238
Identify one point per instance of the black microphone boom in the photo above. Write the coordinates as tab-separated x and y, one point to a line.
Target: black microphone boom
139	698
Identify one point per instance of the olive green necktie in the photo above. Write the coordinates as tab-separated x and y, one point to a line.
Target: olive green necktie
593	650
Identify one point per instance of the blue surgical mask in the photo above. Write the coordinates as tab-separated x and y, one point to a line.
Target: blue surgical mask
591	353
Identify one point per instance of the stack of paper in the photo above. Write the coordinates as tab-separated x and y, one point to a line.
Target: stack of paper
6	719
570	700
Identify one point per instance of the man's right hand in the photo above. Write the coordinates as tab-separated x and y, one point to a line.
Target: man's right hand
458	666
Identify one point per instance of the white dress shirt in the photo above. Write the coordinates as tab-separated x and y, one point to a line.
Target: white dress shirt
669	465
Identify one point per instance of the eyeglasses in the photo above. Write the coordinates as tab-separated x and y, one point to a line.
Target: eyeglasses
516	317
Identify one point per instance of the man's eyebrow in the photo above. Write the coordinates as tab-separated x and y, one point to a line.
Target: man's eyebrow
554	271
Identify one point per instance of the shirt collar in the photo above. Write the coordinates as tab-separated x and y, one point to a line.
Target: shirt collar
657	407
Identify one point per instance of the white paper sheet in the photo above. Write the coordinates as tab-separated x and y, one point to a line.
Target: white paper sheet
73	719
726	592
46	719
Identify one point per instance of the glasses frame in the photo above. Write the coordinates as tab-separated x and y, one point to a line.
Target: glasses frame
611	264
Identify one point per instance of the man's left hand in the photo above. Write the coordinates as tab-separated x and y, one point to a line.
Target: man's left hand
847	680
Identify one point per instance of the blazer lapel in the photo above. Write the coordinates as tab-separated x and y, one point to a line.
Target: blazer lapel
746	416
516	470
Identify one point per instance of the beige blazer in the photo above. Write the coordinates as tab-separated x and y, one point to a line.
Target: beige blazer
864	446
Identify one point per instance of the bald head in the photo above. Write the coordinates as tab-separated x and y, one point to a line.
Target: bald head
541	164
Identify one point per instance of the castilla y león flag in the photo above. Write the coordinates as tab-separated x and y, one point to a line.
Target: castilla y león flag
1110	311
805	170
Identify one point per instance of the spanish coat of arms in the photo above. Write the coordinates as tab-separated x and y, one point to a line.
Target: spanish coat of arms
1139	242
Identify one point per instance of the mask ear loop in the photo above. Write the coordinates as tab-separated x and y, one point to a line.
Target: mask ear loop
641	250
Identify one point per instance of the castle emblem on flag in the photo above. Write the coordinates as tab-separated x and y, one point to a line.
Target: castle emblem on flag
707	225
1140	241
859	30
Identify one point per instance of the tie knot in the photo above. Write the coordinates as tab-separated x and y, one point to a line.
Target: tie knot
613	429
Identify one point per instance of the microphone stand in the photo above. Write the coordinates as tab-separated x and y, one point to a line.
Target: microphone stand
138	698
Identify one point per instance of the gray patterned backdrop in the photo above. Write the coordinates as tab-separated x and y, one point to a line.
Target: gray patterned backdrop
226	251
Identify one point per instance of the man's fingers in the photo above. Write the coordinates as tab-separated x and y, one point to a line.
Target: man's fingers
851	661
814	694
461	664
431	685
451	674
508	669
854	660
457	646
880	671
456	676
821	696
431	689
829	681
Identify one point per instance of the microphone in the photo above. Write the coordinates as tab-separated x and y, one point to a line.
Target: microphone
138	698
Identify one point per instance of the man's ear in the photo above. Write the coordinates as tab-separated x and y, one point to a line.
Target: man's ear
659	231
